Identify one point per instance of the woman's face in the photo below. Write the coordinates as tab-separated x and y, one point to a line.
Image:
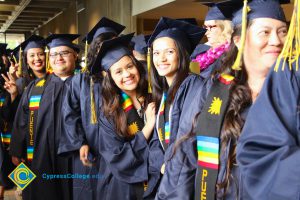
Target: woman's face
264	42
36	59
125	74
213	33
166	57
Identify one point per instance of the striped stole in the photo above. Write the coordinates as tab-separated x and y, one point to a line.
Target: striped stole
208	129
5	130
134	122
34	105
164	122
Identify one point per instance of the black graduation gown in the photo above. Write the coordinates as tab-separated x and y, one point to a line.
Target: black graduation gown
6	121
46	140
78	130
157	154
269	148
123	163
200	49
206	73
178	182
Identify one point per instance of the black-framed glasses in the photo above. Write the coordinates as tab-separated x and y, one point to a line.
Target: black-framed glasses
61	53
209	27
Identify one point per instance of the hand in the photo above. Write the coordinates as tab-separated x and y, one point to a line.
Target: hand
150	114
16	161
13	70
83	154
10	86
150	117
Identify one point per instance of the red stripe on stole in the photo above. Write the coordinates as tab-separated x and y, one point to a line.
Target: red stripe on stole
225	81
208	165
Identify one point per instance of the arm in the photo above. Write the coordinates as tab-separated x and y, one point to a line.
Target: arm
20	126
73	134
127	159
178	180
268	152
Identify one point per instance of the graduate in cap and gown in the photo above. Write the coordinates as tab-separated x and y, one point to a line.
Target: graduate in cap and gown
20	75
171	43
81	112
126	122
219	29
6	119
268	152
139	43
37	126
203	163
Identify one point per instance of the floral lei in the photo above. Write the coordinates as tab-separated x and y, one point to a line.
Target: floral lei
207	58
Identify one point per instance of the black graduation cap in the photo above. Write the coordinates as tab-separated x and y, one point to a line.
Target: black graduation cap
111	51
189	20
187	34
3	48
222	10
105	25
262	9
34	41
140	43
55	40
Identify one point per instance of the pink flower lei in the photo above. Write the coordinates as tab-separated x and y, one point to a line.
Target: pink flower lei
207	58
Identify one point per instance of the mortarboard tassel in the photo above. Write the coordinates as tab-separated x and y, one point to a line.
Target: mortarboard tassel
291	48
238	60
148	69
85	69
48	68
20	71
93	110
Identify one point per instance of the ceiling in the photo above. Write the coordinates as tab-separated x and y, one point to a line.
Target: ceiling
21	16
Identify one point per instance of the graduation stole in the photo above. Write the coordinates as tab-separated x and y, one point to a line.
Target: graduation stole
208	129
4	131
134	122
34	104
163	122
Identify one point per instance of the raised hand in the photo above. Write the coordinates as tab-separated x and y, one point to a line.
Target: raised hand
10	85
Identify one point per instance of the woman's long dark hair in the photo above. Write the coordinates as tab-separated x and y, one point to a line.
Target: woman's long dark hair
93	51
240	98
111	101
159	83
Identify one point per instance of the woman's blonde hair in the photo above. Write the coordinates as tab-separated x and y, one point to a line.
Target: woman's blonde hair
227	30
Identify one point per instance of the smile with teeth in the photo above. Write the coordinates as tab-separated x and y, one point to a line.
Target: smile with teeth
163	66
129	81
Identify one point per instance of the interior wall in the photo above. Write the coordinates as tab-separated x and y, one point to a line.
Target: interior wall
71	21
64	23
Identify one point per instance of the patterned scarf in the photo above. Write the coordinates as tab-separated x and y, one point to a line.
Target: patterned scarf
210	56
5	130
164	122
134	122
208	129
34	105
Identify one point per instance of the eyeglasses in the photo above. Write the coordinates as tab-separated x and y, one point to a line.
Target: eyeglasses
63	54
209	27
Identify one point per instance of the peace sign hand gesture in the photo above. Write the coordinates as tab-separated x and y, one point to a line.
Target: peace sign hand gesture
10	85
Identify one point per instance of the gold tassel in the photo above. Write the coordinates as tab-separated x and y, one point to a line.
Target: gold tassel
238	60
48	67
148	69
291	49
93	110
85	68
20	71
